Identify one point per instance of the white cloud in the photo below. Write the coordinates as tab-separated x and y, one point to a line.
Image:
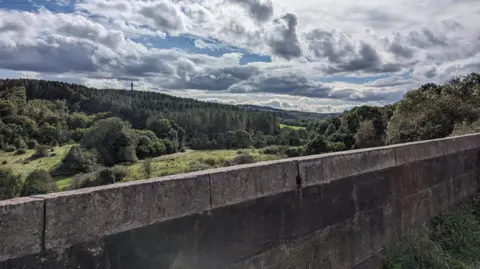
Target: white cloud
101	43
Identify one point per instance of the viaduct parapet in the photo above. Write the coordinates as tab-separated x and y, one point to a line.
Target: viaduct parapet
325	211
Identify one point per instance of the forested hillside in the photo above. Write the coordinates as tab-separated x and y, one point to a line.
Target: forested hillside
100	130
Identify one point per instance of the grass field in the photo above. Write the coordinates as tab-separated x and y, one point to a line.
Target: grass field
191	161
177	163
292	127
21	164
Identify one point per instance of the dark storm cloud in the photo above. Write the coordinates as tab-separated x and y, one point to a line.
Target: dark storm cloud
281	84
343	55
216	79
260	10
426	39
53	54
283	39
165	16
330	45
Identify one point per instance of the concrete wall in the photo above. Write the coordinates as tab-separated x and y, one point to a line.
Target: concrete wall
326	211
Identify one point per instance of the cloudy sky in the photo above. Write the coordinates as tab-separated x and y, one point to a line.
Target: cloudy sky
312	55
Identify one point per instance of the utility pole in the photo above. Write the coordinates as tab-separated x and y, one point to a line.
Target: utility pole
131	86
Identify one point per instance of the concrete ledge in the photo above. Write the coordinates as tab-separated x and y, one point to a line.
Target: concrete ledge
422	150
83	215
21	227
328	167
247	182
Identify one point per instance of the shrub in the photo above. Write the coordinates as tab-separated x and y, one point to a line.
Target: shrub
274	150
10	148
210	161
196	166
317	145
119	172
32	144
54	143
242	159
20	152
147	166
294	151
38	182
158	149
106	177
40	152
74	162
9	184
336	146
20	143
4	162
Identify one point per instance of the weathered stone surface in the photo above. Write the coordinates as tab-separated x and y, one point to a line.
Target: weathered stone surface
237	184
422	150
21	225
325	168
325	211
83	215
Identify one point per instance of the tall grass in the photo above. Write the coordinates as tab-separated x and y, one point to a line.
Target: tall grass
452	242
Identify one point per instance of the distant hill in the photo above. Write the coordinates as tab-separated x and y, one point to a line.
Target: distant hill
292	117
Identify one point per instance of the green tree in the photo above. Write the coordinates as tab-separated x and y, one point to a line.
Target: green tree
243	139
366	136
37	182
161	128
112	140
10	184
330	130
317	145
74	162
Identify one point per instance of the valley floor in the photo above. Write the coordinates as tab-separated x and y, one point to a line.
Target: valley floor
177	163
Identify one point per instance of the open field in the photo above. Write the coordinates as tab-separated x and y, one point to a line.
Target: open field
21	164
190	161
177	163
292	127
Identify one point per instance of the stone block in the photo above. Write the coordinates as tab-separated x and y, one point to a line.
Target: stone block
421	150
328	167
238	184
376	188
21	226
416	151
415	211
87	214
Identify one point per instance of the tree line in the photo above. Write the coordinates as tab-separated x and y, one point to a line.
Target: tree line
109	127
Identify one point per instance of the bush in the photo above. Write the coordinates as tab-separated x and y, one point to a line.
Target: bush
54	143
10	148
294	151
20	143
106	177
242	159
32	144
119	173
274	150
38	182
210	161
158	149
193	167
317	145
4	162
336	146
40	152
74	162
20	152
9	184
147	166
